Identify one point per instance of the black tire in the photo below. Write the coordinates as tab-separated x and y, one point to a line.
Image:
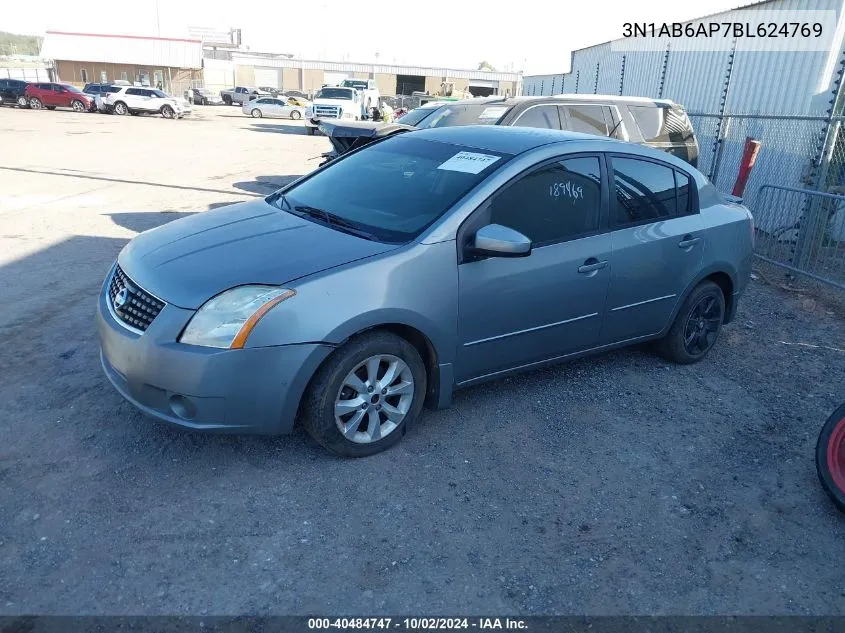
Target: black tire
77	106
318	414
167	112
256	113
295	115
831	446
705	304
120	108
35	103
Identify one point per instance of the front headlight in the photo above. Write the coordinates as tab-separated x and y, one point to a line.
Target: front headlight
226	320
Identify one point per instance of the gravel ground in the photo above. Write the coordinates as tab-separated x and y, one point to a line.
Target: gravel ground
611	485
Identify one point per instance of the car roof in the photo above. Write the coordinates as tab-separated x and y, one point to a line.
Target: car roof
505	139
594	98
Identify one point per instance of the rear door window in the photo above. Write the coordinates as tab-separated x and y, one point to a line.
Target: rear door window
645	191
542	116
587	119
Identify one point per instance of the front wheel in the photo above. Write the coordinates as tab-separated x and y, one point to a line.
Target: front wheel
121	108
256	113
77	105
295	115
35	103
364	396
167	112
830	457
22	102
696	326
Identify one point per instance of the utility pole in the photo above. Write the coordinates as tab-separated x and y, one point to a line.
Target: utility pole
158	23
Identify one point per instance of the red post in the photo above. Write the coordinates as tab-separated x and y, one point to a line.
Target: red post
749	157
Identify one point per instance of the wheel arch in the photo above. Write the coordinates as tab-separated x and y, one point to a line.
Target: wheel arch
721	274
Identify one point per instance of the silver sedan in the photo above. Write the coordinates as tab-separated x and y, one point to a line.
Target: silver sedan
272	107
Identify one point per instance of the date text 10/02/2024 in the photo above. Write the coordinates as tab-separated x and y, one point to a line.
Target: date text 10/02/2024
414	624
722	29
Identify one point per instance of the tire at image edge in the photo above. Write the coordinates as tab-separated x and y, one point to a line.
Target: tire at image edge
317	408
822	466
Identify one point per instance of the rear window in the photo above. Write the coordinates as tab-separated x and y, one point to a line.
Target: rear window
662	124
465	114
396	188
415	116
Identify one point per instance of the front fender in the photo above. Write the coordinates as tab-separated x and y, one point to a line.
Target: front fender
415	286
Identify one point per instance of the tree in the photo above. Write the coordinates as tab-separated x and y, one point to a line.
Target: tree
485	65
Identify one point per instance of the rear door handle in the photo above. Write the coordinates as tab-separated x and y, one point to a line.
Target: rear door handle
591	265
688	241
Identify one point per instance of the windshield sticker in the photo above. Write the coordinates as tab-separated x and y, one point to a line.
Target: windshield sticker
493	113
469	162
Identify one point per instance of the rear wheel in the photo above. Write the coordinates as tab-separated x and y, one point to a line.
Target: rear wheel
364	396
830	457
120	108
35	103
295	115
696	326
256	113
22	102
167	112
77	105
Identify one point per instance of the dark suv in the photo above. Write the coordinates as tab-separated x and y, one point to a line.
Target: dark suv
12	92
658	123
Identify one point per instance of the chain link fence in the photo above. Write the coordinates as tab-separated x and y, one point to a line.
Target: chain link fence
795	190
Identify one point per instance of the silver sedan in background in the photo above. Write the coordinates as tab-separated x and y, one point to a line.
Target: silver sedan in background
272	107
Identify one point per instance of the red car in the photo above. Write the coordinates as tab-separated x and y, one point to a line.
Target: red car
52	96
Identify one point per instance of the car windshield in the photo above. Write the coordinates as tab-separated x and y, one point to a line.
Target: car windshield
393	189
334	93
415	116
465	114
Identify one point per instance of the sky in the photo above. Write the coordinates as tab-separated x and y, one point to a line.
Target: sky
536	36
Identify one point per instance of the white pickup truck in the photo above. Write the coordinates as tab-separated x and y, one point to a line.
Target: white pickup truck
335	102
241	95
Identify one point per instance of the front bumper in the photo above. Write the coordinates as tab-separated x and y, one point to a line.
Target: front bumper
252	390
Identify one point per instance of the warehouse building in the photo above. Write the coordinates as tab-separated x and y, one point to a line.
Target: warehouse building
79	58
280	71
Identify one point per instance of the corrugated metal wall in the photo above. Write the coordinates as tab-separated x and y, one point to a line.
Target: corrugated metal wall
767	81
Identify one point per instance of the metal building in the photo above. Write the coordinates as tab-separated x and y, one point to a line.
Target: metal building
790	100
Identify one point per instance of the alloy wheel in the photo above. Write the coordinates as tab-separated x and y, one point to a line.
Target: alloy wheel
78	106
374	398
702	325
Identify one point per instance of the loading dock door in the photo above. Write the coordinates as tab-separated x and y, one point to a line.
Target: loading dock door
483	88
409	84
267	77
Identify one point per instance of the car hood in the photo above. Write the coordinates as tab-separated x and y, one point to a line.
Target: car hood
188	261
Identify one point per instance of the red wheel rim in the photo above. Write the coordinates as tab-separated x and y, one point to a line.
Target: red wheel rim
836	455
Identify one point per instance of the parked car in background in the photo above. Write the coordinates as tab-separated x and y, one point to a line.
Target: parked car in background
204	96
297	94
269	90
98	92
421	264
13	92
272	107
53	95
134	100
241	95
658	123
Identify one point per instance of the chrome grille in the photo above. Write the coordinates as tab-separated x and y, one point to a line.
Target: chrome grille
327	112
131	304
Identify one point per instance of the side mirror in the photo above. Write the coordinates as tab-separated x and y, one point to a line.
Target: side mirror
495	240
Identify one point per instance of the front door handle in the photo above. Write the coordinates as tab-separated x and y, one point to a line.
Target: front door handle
688	241
591	265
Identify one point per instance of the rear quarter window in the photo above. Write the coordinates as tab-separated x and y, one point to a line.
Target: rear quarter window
660	124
